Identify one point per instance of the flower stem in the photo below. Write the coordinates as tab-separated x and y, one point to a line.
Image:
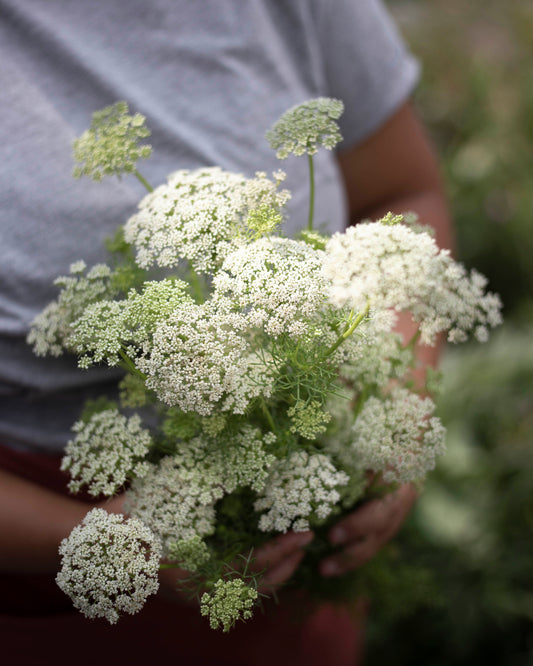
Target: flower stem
311	193
350	328
412	342
143	181
196	285
129	365
268	415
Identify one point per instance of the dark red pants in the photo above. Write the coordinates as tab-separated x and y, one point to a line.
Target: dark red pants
39	627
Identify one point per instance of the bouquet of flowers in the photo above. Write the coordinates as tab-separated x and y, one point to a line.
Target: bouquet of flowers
266	388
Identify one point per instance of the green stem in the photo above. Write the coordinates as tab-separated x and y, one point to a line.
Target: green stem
268	415
412	342
348	331
311	193
144	181
361	399
129	365
196	285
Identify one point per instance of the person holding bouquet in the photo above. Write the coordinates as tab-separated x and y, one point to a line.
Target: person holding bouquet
212	77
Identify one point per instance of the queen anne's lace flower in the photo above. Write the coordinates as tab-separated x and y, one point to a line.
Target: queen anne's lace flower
267	374
174	501
201	361
107	451
111	145
309	419
300	488
305	127
109	565
372	357
278	282
388	265
51	329
200	216
108	327
229	601
398	437
190	553
176	498
231	460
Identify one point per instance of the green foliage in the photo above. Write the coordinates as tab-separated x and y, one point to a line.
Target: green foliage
132	391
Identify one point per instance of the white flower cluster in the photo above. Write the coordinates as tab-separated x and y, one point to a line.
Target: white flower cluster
51	328
177	497
173	501
372	357
305	127
278	282
201	361
229	460
300	489
268	373
108	327
388	265
199	216
108	450
229	601
237	459
109	565
398	437
191	554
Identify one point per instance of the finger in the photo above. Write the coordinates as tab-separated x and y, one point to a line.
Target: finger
375	516
371	517
353	556
280	574
272	553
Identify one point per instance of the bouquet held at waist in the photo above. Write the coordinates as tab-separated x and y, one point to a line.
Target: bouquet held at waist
266	388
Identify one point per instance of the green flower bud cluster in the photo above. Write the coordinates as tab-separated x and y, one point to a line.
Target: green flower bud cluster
111	145
190	553
231	600
308	419
304	128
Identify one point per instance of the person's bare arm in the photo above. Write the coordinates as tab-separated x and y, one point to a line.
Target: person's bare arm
394	170
33	521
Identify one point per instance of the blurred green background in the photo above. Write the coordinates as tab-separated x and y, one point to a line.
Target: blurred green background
462	589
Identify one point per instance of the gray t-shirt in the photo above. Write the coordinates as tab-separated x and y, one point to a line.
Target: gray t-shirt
211	77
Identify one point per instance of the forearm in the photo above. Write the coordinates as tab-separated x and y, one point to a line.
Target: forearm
33	521
396	170
432	210
429	204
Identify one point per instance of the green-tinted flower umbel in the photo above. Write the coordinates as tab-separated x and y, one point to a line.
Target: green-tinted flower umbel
304	128
111	145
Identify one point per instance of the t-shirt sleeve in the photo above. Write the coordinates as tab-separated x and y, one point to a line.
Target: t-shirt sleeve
367	64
